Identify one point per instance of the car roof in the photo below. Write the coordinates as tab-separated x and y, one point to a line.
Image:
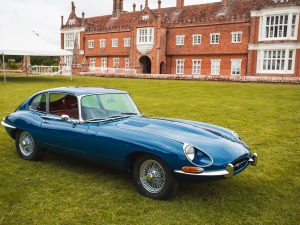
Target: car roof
85	90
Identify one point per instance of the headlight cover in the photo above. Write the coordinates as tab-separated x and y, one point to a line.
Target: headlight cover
196	156
189	151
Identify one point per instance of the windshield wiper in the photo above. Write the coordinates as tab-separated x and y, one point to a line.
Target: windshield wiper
129	113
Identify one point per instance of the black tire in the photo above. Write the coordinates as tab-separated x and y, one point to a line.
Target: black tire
34	153
166	191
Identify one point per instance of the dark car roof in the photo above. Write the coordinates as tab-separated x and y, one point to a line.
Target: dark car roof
85	90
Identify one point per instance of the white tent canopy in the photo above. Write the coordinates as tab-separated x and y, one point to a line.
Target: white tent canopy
27	43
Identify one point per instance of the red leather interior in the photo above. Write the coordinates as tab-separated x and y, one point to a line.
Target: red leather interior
65	106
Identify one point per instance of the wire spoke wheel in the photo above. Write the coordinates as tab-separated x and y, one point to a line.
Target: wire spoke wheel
152	176
26	144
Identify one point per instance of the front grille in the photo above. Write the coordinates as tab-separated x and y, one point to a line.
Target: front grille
240	164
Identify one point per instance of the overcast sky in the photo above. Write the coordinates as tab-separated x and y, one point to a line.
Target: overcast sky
43	16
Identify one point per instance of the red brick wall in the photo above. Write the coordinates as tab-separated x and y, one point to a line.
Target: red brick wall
225	68
225	45
108	50
109	61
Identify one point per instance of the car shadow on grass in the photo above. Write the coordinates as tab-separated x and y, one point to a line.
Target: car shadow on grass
204	190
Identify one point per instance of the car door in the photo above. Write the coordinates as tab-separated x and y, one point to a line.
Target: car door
59	133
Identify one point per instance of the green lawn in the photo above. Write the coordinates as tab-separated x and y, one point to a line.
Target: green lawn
60	190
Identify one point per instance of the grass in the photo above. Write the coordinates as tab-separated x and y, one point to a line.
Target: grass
61	190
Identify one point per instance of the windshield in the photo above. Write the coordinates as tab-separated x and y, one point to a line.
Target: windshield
105	106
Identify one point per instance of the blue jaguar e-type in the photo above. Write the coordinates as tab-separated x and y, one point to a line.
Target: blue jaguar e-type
104	125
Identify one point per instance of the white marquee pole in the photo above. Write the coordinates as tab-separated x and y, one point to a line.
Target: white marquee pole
4	67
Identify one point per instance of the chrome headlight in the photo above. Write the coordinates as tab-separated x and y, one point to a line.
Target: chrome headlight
189	151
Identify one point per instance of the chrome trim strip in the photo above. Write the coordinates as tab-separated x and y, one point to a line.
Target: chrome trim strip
7	125
205	173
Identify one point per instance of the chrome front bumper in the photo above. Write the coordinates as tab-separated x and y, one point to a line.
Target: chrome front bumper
7	125
227	172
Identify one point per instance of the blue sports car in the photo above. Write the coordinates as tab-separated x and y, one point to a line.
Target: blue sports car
104	125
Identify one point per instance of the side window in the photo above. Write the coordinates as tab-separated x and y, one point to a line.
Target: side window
63	104
39	103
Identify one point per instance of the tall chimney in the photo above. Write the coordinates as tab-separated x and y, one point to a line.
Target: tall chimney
225	2
180	4
73	7
117	7
134	6
62	20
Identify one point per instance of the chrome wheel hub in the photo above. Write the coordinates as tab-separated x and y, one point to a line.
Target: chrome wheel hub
152	176
26	144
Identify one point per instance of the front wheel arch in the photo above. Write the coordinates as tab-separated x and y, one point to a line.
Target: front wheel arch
131	158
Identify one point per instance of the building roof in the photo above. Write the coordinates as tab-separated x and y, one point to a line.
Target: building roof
201	14
85	90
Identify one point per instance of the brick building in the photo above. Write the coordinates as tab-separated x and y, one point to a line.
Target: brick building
228	38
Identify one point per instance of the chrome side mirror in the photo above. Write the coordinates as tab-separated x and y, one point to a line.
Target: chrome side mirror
65	117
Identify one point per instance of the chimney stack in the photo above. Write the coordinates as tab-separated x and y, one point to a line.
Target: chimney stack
73	7
134	6
117	7
141	8
180	4
225	2
159	5
62	20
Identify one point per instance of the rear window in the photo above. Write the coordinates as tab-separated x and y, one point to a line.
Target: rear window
38	103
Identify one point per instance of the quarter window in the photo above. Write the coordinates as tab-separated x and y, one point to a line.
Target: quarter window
39	103
63	104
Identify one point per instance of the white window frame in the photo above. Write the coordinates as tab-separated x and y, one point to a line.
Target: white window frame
213	38
69	39
263	14
197	64
115	42
102	43
116	62
91	44
127	42
127	65
93	63
236	37
180	39
68	61
197	37
215	67
180	66
104	63
145	36
274	60
236	65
